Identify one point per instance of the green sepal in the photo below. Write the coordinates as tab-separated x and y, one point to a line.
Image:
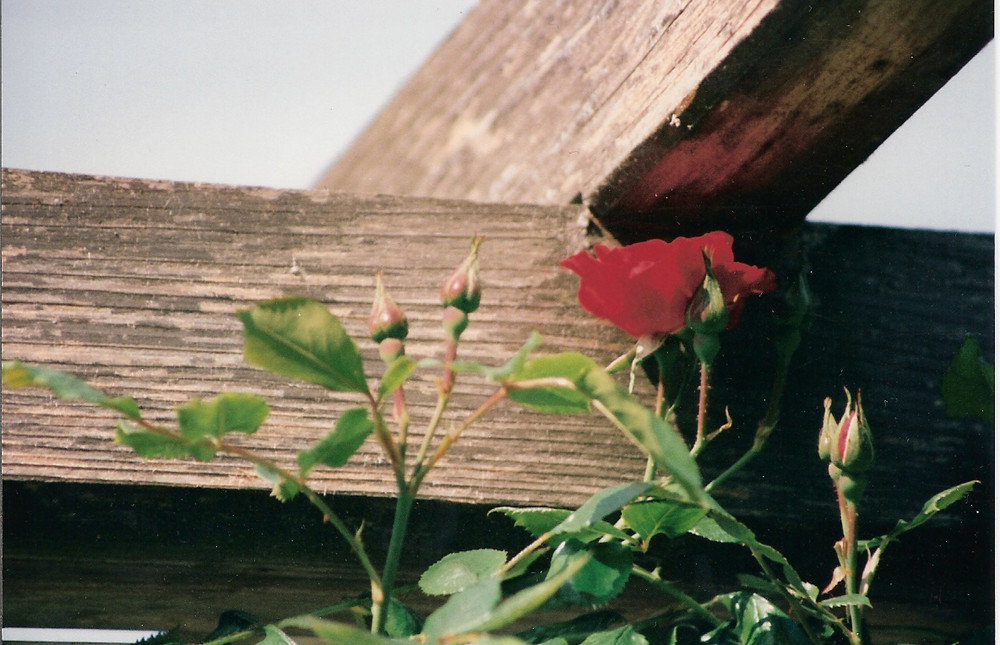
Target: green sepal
299	338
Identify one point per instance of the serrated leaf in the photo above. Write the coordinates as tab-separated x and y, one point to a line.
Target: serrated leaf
395	375
601	578
457	571
968	384
227	412
65	386
601	504
553	399
283	489
300	338
337	633
465	611
622	636
651	433
528	600
847	600
666	517
537	521
351	430
756	621
153	445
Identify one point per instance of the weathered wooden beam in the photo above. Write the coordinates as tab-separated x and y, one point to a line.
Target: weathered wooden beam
666	117
151	557
133	285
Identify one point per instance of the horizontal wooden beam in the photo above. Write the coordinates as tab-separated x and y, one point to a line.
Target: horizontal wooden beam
151	557
664	117
133	285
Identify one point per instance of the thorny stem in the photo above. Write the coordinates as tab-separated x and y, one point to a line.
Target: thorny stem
699	437
849	522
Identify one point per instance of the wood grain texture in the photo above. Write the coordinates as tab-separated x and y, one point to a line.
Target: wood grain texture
666	117
133	285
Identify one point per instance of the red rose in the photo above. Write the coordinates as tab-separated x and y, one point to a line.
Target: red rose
646	288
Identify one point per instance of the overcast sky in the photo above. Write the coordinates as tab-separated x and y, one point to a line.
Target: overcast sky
268	93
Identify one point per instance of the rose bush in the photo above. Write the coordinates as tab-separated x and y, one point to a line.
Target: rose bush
645	289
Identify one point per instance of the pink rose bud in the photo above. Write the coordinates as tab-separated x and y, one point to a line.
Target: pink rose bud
462	289
849	442
387	320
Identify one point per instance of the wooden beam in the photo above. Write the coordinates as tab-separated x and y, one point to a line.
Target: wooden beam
133	285
665	117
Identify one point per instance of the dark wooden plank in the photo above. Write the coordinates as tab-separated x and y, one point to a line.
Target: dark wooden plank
133	285
99	555
666	117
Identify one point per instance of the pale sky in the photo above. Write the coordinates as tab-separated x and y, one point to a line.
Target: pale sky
268	93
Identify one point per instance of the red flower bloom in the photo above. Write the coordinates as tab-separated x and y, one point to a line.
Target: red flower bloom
645	288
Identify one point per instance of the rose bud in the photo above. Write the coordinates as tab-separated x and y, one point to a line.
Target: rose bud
848	443
387	320
462	289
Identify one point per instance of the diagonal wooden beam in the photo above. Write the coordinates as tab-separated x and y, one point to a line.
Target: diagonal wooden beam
664	117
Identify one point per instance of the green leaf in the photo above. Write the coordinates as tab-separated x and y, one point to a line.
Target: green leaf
400	620
651	433
465	611
602	504
622	636
395	375
65	386
553	399
227	412
931	507
503	372
575	629
968	386
337	633
274	636
352	428
847	600
528	600
457	571
756	621
153	445
603	576
283	489
537	521
661	516
301	339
